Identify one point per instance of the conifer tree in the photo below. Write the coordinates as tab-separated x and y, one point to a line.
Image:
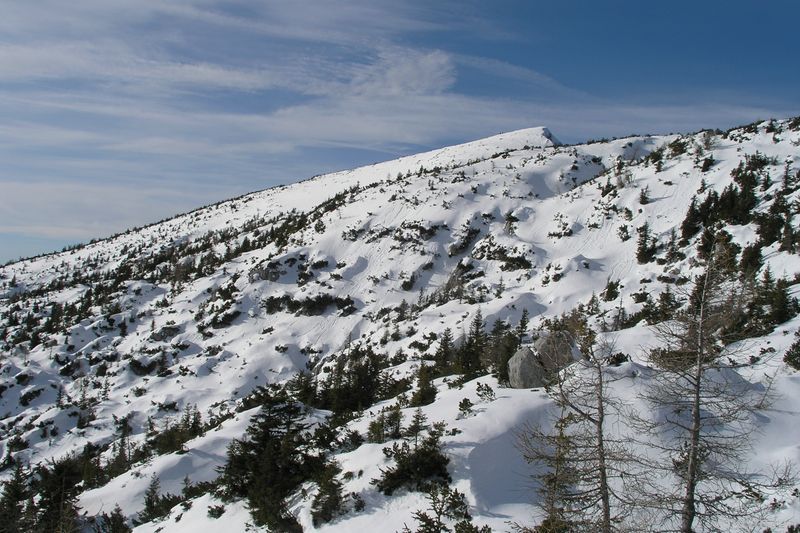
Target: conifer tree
426	392
522	327
644	196
445	351
706	245
14	495
329	500
769	225
788	238
556	484
418	424
470	353
781	305
704	433
750	261
580	456
57	486
415	467
112	523
692	222
393	423
376	431
152	501
446	508
792	355
271	462
502	344
645	249
673	254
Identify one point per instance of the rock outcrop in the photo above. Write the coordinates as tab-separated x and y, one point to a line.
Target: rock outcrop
533	367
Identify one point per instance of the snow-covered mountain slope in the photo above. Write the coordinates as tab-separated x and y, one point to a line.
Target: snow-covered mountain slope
201	309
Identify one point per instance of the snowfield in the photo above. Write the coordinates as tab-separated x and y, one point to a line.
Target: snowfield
250	291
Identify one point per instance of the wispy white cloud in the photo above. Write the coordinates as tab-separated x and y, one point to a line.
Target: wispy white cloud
28	134
118	65
345	23
83	211
399	72
540	85
111	110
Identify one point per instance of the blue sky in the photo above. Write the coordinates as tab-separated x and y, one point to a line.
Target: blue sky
117	114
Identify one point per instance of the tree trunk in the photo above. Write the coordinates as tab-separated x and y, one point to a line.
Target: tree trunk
689	510
601	454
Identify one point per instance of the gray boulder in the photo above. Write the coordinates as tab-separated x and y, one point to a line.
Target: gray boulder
524	370
533	367
165	333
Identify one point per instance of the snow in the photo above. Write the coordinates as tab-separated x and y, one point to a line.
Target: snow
548	187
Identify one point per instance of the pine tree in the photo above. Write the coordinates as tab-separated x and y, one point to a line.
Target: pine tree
113	523
769	225
394	422
692	222
469	354
611	292
556	484
644	196
418	424
750	261
726	251
402	311
767	281
415	467
781	305
788	238
153	507
445	351
15	494
57	485
426	392
792	355
522	327
502	344
673	254
329	501
645	249
706	245
376	431
53	322
271	462
446	508
465	408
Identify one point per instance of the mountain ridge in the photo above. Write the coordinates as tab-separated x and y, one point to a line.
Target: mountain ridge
512	140
250	291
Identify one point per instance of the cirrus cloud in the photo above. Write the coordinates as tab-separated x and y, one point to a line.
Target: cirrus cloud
113	110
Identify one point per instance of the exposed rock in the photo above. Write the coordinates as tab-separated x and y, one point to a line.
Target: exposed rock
165	333
269	272
530	368
524	370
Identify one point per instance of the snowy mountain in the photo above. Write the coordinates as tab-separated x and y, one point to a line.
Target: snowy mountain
145	355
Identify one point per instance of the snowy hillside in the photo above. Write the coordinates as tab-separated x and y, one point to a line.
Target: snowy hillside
141	357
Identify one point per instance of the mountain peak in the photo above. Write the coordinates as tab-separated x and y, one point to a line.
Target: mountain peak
536	137
458	154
